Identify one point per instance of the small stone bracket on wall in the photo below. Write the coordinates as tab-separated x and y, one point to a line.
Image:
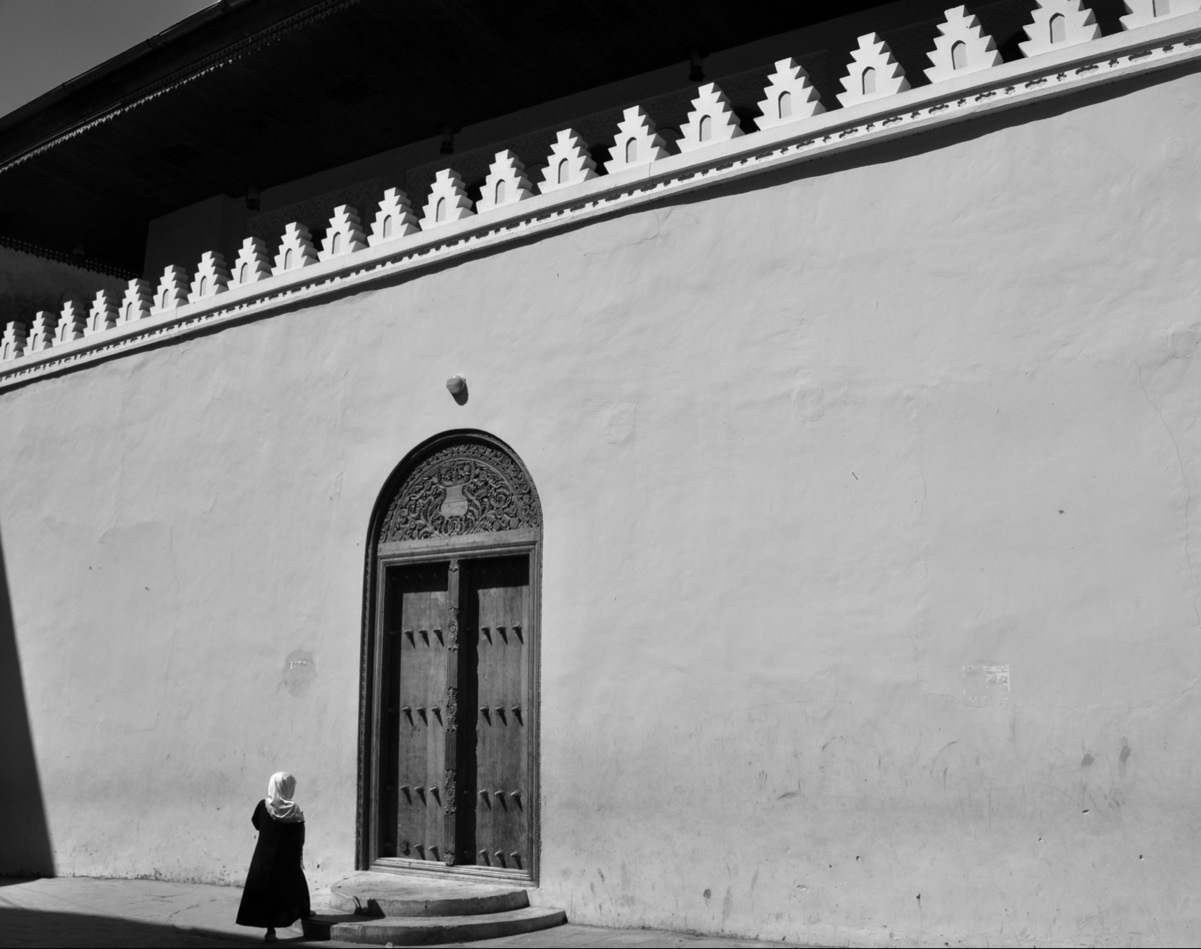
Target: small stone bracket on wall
1059	23
788	97
252	264
395	218
873	73
710	120
448	200
506	183
637	142
345	233
295	249
961	47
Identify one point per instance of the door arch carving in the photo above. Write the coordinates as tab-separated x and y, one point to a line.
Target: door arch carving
449	712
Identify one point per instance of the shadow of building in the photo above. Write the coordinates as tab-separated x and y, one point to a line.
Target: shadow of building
24	833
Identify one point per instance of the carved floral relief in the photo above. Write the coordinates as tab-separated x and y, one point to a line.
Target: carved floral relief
468	488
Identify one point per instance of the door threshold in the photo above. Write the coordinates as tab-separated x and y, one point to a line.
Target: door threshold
465	874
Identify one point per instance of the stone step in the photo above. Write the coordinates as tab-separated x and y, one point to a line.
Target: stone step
427	930
388	894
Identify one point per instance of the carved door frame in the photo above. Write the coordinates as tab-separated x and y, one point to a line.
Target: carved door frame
491	510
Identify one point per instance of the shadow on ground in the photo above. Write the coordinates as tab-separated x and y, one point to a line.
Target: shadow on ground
20	928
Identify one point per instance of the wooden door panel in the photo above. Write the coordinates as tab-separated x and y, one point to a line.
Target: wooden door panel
496	594
420	635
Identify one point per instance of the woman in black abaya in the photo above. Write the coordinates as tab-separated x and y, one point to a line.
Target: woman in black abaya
276	893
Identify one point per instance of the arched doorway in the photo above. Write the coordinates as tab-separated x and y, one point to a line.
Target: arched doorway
448	741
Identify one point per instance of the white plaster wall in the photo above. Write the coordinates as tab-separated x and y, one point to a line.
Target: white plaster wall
813	453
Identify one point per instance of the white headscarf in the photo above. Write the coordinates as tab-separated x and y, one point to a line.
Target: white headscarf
279	801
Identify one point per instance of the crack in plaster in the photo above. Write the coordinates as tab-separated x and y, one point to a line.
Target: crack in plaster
642	240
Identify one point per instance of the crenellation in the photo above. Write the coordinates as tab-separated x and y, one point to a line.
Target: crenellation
1145	12
448	200
961	47
636	143
172	290
252	264
44	333
344	235
568	163
1059	23
104	314
12	343
394	219
138	300
789	96
873	73
710	120
212	277
72	323
506	183
295	249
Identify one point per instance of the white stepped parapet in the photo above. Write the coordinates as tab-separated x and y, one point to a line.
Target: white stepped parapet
568	163
104	314
962	47
12	343
212	277
172	289
637	142
710	120
506	183
1059	23
295	249
252	264
137	301
873	73
789	96
448	200
72	323
345	234
395	218
1145	12
45	331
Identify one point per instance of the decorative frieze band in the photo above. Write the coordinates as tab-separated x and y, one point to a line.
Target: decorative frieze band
967	78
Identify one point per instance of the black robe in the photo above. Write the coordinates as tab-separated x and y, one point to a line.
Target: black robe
276	892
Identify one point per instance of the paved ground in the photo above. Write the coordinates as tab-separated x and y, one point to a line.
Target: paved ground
81	912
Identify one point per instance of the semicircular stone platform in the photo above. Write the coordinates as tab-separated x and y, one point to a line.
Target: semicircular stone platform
381	908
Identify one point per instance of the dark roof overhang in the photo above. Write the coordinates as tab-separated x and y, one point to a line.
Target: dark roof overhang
267	91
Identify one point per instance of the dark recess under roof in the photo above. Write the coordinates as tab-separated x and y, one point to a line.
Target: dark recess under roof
268	91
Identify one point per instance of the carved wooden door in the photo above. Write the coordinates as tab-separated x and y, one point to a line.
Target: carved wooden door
415	760
449	743
496	617
457	706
